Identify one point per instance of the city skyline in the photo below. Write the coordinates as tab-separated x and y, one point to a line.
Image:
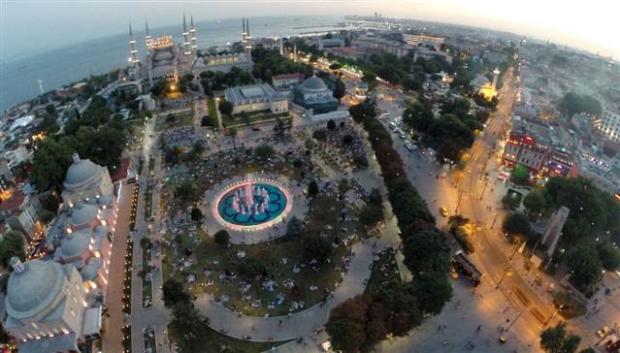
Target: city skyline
102	19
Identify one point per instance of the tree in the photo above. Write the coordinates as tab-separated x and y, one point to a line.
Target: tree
313	188
187	323
535	203
418	117
347	325
317	247
339	89
557	340
196	214
252	268
221	237
517	224
360	112
371	214
433	290
375	197
226	107
187	192
520	175
50	162
12	244
174	293
264	151
319	135
573	103
426	252
584	265
294	228
331	125
609	255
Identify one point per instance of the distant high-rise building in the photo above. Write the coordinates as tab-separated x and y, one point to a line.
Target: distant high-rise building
610	124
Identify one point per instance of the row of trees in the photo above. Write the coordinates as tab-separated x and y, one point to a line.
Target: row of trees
452	132
359	323
187	326
269	62
557	340
94	135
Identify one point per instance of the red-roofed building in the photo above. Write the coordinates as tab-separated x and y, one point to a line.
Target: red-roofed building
287	80
20	212
122	171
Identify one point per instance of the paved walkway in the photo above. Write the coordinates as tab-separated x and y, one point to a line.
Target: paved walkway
277	328
112	324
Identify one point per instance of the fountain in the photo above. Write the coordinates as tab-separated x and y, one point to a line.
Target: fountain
252	204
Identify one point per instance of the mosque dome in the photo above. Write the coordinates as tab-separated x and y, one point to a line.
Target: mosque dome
83	213
80	172
314	84
75	243
32	287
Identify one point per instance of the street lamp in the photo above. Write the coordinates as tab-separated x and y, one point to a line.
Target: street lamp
507	272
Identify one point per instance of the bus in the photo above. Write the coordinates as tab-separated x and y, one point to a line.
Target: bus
462	264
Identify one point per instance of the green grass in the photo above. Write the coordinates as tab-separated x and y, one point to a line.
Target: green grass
212	107
390	272
209	256
212	341
147	284
255	118
179	120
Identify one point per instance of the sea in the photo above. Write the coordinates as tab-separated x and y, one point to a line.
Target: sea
19	80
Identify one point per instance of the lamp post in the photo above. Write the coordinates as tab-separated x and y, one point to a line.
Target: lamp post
507	272
557	310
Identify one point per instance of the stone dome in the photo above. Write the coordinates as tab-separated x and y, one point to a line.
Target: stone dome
33	288
80	172
314	84
82	214
75	243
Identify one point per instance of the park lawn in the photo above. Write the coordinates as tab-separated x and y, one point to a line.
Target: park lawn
212	341
212	108
211	260
148	202
384	269
254	118
147	283
179	120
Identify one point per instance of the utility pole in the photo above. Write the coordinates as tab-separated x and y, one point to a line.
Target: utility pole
507	272
484	187
458	202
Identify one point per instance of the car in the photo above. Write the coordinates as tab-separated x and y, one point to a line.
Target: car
602	332
443	211
453	274
410	146
402	135
502	339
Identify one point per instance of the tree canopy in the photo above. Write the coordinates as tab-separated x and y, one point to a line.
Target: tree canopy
13	243
573	103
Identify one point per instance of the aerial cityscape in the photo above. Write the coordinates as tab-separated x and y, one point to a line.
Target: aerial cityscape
286	177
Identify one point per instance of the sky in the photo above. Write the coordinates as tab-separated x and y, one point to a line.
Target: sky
33	26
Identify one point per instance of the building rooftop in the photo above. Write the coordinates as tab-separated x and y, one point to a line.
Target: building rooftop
33	287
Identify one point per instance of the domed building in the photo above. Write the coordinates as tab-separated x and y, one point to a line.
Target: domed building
86	180
314	94
47	308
